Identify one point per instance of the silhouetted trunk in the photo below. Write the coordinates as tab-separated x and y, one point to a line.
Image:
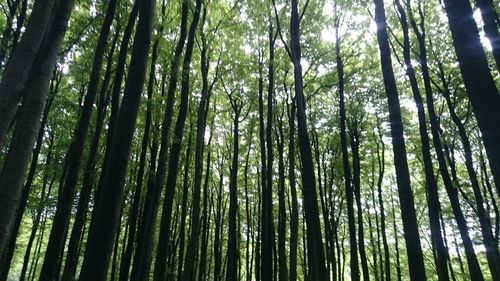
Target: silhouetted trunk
353	246
412	237
294	216
477	78
28	123
282	255
232	242
143	252
491	23
356	184
381	171
9	253
316	262
17	73
89	173
184	203
440	252
162	249
100	241
65	202
206	90
486	230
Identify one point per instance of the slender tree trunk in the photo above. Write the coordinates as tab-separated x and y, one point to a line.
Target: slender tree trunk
440	251
410	226
491	24
294	216
486	229
185	191
89	173
100	241
316	264
162	249
192	247
64	205
142	256
356	183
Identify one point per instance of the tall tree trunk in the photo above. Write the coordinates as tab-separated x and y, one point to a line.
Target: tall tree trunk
316	263
294	216
64	205
280	140
89	173
440	251
100	241
143	253
192	247
232	243
28	124
162	249
184	203
381	172
356	183
410	226
9	253
353	246
477	78
490	244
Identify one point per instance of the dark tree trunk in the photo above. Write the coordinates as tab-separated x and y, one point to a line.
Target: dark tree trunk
381	172
356	183
16	73
184	203
65	202
28	124
143	252
89	173
477	78
100	241
353	246
490	244
192	247
316	262
232	243
162	249
440	251
282	255
491	24
294	216
412	237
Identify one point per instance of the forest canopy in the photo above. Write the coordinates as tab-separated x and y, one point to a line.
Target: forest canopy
249	140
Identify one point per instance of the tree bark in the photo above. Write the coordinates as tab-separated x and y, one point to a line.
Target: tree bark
412	237
100	241
477	78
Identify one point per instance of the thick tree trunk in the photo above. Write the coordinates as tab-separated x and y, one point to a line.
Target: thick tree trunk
477	78
28	124
15	76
